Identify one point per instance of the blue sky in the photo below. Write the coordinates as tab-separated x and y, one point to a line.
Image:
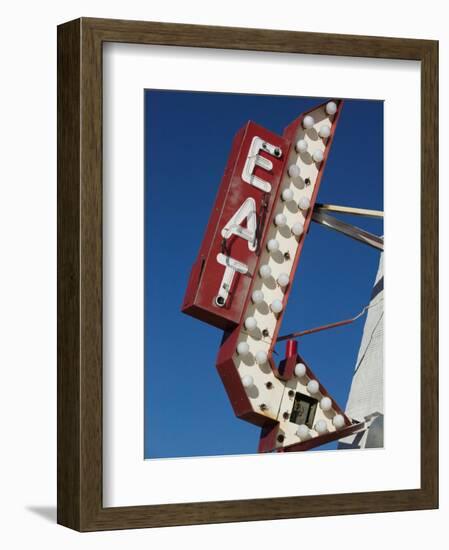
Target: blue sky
188	136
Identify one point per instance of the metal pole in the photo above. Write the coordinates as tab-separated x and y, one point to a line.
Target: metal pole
319	329
351	210
349	230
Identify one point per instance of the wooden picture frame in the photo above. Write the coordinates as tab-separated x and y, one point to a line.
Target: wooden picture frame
80	417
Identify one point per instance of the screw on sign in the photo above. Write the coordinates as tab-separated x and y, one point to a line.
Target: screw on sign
243	275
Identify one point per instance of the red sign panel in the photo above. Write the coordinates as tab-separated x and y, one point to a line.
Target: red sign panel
243	276
222	274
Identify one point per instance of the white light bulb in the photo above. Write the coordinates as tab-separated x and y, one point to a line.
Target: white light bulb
261	357
300	370
308	122
317	155
301	146
276	306
294	171
331	108
283	279
250	323
326	404
265	271
257	297
287	195
280	220
313	386
303	432
273	245
242	348
304	203
338	421
298	229
325	131
247	381
321	427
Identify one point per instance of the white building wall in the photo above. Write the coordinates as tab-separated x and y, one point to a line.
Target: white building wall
366	393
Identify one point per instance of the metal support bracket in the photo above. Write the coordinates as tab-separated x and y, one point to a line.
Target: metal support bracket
347	229
351	210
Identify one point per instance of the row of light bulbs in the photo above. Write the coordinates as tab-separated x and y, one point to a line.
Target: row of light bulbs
297	229
294	172
283	280
308	121
273	244
258	297
287	196
313	387
261	357
280	219
301	147
320	427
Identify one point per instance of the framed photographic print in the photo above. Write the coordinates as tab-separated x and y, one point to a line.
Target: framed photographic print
225	352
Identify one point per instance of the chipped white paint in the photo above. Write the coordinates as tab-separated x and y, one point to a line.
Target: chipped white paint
254	159
232	267
247	211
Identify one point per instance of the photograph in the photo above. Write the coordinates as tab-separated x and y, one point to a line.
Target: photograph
263	274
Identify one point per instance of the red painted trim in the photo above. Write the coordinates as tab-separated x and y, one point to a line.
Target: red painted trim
286	369
291	348
267	441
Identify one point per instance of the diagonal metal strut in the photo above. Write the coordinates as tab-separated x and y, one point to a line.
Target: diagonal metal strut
306	332
347	229
351	210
